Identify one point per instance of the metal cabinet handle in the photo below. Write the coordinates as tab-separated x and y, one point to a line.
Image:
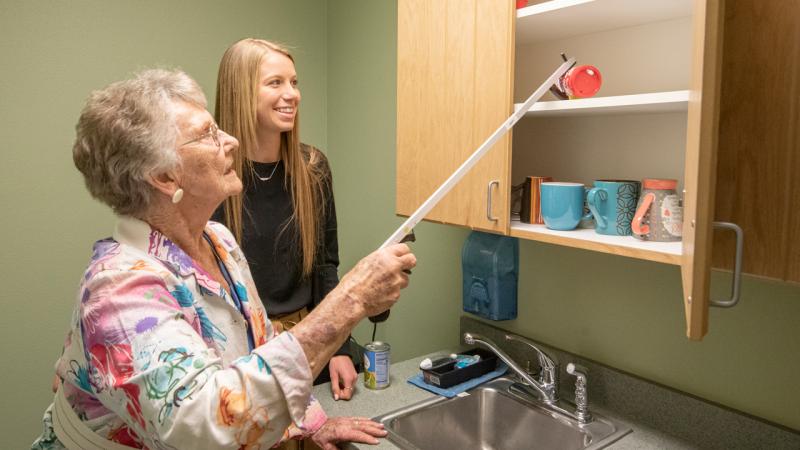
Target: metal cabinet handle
489	200
737	266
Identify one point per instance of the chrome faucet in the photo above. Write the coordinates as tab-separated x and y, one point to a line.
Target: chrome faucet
547	383
545	386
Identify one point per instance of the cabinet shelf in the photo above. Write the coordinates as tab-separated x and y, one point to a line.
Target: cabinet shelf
587	239
656	102
559	19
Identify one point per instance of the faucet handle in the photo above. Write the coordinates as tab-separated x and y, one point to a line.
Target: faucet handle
546	362
548	366
581	395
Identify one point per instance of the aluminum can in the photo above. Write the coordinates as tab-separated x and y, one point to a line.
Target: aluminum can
376	365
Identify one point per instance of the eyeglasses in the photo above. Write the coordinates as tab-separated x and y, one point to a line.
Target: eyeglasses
211	136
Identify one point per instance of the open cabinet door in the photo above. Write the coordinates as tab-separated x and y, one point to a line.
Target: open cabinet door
701	164
758	158
454	88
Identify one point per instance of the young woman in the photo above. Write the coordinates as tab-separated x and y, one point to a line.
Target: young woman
285	219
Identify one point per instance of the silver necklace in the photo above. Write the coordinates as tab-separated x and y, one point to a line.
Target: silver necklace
270	175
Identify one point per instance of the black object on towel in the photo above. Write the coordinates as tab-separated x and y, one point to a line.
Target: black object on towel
446	375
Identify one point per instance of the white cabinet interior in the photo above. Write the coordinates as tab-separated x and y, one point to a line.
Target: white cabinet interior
634	128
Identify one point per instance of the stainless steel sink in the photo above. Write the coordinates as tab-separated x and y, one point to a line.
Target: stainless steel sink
492	417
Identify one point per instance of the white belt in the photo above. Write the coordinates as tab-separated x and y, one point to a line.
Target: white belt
71	430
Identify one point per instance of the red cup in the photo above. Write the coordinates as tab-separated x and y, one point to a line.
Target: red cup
582	81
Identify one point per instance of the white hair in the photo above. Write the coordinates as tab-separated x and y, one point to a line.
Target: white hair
126	132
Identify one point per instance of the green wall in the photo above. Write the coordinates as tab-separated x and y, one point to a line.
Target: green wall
54	53
362	37
628	314
618	311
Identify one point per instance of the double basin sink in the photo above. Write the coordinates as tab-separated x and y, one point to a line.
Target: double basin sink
494	416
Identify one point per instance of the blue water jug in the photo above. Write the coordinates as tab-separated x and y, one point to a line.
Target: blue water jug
490	266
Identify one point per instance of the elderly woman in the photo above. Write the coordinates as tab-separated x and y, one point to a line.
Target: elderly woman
169	345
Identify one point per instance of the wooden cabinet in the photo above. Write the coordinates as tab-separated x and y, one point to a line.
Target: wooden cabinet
463	64
454	88
758	186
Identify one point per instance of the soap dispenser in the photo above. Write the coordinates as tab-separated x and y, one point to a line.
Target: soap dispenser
490	269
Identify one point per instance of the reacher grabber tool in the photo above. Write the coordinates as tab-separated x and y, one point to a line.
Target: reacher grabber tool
406	231
437	196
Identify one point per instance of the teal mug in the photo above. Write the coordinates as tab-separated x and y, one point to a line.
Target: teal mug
562	205
613	204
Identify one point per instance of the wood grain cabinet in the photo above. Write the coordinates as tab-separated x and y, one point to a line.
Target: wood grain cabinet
758	171
464	64
454	87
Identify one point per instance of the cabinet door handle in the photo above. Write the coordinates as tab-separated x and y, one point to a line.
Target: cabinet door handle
489	201
737	266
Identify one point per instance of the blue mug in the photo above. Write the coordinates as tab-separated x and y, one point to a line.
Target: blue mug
613	204
562	205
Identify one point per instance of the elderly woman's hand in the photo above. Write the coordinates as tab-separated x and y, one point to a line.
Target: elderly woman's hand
375	282
348	429
370	288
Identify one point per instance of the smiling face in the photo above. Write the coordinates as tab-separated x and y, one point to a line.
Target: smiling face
278	95
206	171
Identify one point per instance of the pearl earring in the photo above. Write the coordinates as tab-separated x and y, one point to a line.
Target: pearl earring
177	196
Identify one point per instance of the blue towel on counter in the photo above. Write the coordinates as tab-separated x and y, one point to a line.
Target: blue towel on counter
452	391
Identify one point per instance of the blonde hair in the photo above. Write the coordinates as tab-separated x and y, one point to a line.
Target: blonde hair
126	132
236	113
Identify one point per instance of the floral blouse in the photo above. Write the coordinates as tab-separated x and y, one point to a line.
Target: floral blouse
158	354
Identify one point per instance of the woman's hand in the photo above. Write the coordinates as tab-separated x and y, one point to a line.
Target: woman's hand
370	288
343	377
348	429
375	282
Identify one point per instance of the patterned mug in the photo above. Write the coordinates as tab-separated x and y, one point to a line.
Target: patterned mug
613	204
659	216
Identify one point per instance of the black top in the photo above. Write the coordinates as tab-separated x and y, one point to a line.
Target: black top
270	241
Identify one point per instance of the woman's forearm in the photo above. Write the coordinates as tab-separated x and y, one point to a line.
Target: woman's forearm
326	327
370	288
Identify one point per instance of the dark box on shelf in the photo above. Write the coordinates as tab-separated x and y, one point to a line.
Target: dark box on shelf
447	375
